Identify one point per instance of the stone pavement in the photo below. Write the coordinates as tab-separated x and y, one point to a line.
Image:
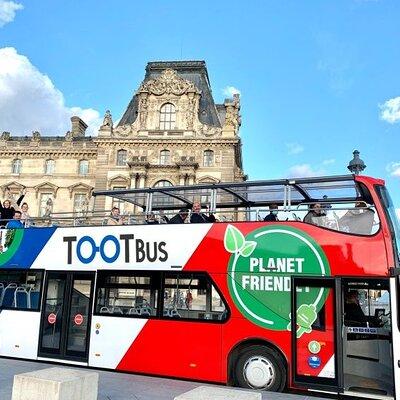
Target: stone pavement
119	386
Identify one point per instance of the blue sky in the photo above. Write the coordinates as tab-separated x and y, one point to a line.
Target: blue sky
314	76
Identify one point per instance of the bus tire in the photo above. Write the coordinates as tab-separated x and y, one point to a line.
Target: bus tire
261	368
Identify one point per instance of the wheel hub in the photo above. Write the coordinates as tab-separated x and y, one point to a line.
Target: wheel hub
259	372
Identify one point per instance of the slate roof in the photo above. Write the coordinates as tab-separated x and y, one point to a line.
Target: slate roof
193	71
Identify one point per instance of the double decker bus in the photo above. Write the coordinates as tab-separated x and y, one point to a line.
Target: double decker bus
295	285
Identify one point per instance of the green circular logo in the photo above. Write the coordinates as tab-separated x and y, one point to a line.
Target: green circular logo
314	347
9	243
260	270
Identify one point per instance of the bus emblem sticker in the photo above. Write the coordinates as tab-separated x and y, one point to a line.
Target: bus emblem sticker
259	275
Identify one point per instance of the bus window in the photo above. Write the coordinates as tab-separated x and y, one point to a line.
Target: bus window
133	294
192	296
20	290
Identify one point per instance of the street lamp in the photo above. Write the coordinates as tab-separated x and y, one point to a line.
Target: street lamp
356	165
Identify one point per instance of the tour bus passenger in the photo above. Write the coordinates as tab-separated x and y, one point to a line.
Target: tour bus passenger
115	218
199	217
15	222
6	210
316	216
151	219
25	217
360	220
163	218
273	213
179	218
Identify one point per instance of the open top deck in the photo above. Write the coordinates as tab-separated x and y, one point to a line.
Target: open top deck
332	189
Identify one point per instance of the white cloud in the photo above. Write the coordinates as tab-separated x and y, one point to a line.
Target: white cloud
394	169
8	10
390	110
29	100
329	161
294	148
230	91
304	171
398	213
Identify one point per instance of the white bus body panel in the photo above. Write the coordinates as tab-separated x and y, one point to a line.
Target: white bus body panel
396	333
110	339
19	333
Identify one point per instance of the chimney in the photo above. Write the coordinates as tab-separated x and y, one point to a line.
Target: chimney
78	127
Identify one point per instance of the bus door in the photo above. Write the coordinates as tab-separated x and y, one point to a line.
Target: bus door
65	323
314	325
367	337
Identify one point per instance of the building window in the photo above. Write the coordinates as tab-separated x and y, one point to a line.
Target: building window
83	167
163	183
46	204
118	202
165	157
167	117
80	202
49	167
160	199
121	157
208	158
16	166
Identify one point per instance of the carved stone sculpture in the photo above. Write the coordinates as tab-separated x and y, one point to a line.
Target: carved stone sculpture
168	83
107	121
5	136
36	136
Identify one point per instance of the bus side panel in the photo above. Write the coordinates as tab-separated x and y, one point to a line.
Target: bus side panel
110	339
19	333
182	349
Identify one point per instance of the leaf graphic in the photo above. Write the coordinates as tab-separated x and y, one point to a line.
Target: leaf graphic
248	248
233	240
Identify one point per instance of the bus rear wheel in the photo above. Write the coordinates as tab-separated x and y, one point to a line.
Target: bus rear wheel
261	368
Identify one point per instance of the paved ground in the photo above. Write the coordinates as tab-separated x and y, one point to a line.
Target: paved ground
117	386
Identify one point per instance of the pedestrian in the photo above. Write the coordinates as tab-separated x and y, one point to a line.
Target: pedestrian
199	217
7	211
273	213
179	218
15	223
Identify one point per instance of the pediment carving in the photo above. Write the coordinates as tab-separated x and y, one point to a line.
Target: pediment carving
46	187
169	82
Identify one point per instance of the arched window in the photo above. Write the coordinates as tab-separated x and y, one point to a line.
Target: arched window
49	167
162	200
167	117
208	158
162	183
121	157
16	166
165	157
83	167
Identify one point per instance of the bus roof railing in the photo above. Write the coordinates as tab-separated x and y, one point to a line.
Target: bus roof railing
246	194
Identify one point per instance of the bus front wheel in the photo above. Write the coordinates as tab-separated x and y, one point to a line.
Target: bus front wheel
261	368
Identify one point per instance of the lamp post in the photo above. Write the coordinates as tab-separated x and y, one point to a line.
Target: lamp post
356	165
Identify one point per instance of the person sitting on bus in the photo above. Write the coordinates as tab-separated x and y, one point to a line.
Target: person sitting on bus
199	217
7	210
316	216
179	218
360	220
353	313
273	212
15	222
115	217
151	219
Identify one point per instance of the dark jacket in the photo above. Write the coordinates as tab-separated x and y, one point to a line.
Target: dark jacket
201	218
176	219
271	217
8	213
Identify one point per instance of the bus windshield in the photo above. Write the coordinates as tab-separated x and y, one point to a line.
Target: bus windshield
391	212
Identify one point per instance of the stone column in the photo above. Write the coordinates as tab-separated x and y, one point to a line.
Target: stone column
182	179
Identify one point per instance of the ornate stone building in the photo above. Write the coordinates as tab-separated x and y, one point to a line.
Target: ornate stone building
172	133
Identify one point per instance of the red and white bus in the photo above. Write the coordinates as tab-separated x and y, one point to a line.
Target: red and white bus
307	299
